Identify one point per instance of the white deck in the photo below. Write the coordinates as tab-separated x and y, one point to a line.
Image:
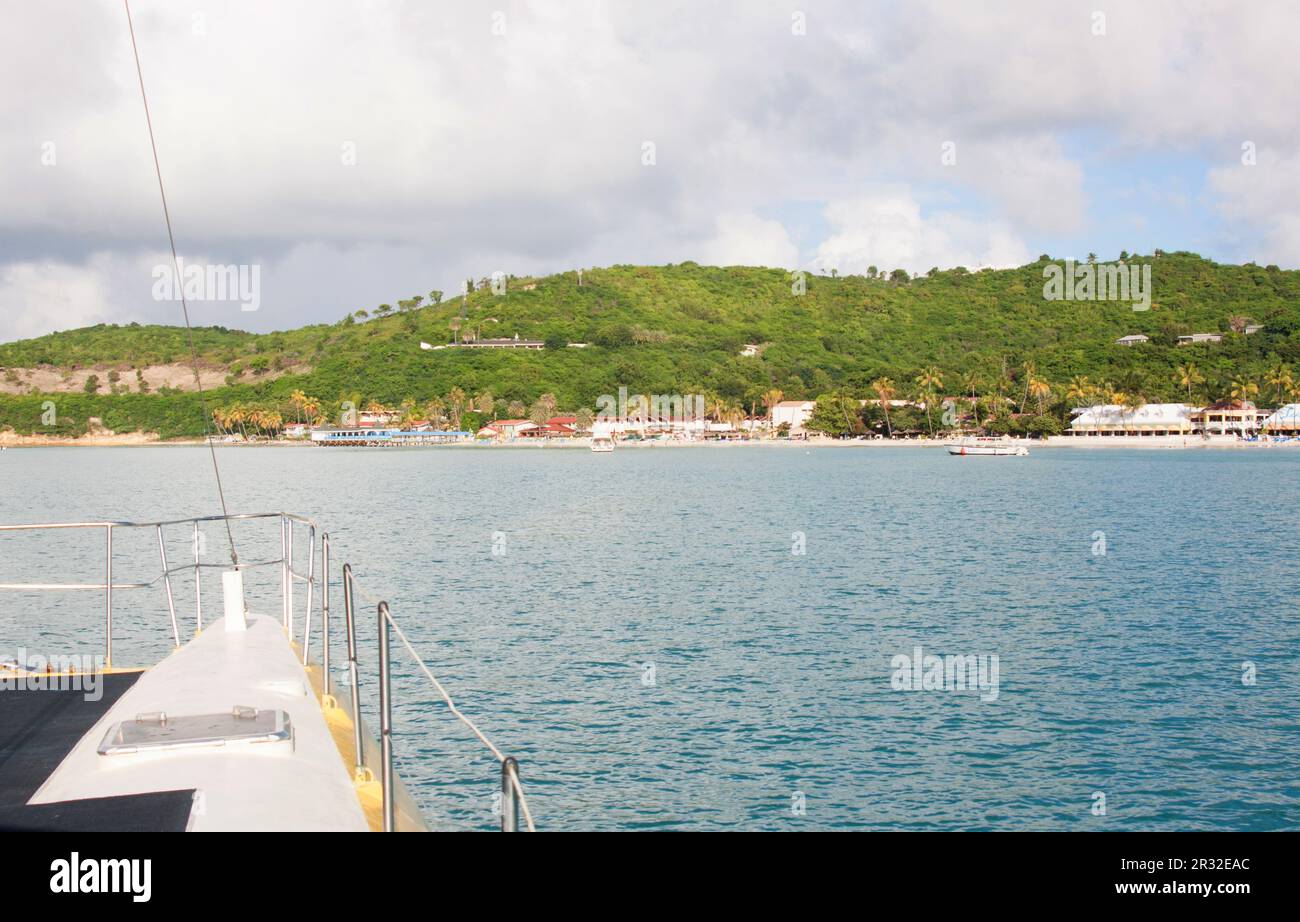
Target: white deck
266	786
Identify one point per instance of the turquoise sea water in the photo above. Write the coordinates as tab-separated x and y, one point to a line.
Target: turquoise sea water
1119	673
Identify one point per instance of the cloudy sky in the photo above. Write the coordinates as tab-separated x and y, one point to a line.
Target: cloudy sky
361	152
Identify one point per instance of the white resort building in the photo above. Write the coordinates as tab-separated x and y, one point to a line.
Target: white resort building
793	413
1283	419
1229	416
1109	419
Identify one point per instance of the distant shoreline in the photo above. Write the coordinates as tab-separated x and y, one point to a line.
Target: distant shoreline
140	439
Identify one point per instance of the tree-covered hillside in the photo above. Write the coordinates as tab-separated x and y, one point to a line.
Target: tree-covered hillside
681	329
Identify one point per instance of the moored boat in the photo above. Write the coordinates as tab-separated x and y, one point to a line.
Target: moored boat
985	445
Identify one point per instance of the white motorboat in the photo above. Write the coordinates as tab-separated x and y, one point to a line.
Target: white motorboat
602	443
986	446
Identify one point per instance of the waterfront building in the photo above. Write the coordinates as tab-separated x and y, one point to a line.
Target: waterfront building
793	413
1109	419
1283	419
1229	416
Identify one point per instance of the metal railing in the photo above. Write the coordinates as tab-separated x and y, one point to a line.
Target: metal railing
512	795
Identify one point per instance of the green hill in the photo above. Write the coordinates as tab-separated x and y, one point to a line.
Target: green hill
681	329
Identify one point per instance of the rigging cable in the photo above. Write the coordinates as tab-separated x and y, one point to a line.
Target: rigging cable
189	331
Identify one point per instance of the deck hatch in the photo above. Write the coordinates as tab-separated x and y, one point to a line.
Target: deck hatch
160	731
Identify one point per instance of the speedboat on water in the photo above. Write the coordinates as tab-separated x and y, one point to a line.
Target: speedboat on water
602	443
986	446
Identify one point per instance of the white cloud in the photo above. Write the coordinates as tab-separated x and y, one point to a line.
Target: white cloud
888	230
47	295
1262	202
522	151
747	240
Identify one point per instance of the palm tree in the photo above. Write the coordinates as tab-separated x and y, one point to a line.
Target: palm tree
1243	389
885	390
735	415
1080	389
539	414
299	400
929	381
1132	401
971	381
455	406
1029	371
584	419
548	401
770	399
1280	377
1040	390
517	409
1237	323
238	416
454	323
1188	376
434	410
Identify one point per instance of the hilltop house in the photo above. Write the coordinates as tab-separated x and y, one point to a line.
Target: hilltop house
1200	338
1132	339
515	343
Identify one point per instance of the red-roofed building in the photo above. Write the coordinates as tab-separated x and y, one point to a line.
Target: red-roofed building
562	427
506	428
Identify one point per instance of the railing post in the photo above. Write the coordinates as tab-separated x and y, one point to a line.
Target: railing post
108	597
509	802
198	581
311	586
325	611
284	573
288	583
385	719
348	614
167	581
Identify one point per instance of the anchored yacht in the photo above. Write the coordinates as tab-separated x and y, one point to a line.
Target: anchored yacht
986	446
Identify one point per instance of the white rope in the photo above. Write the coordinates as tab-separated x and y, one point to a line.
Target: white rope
451	705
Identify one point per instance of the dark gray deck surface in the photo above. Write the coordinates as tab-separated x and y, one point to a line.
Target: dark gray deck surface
37	729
